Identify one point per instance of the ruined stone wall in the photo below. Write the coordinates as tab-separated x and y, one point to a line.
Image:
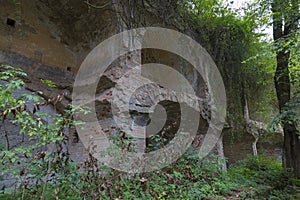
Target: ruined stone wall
49	39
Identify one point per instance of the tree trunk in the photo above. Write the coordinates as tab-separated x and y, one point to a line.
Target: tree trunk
220	150
254	146
282	27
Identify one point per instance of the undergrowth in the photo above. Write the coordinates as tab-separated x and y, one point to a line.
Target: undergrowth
188	178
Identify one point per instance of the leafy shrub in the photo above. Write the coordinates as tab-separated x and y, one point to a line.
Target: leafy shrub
33	165
263	175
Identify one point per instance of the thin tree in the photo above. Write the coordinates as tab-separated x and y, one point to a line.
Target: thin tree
285	22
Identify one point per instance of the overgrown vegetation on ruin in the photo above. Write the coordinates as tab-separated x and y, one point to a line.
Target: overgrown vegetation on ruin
52	175
249	65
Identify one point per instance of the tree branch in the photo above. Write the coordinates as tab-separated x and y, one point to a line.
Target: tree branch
97	7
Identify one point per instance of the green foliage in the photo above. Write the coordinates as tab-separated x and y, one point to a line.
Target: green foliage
234	41
263	62
31	164
188	178
49	83
122	140
289	114
263	178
